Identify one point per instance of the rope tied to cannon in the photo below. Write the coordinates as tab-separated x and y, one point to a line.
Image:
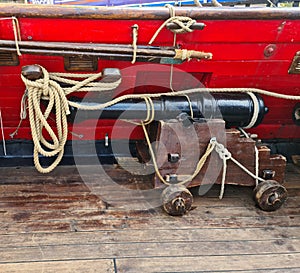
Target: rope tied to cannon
225	155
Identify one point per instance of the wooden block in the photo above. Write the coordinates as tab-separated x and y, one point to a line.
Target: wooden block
190	143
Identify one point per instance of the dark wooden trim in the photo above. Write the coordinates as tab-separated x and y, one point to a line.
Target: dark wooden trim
117	13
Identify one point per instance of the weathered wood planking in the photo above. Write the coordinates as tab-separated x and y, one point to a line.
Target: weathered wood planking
231	263
160	13
54	223
86	266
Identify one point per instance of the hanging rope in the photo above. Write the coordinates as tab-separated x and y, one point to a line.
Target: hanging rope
215	3
198	4
135	29
16	30
48	89
256	155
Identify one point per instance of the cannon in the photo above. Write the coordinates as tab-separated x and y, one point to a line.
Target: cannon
197	141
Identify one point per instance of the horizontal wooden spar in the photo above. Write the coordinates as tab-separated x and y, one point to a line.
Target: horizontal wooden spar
113	52
89	47
121	13
105	56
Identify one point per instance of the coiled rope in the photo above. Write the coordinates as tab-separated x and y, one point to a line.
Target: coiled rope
48	89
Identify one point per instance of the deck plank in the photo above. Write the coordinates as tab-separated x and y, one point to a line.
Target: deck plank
85	266
216	263
55	223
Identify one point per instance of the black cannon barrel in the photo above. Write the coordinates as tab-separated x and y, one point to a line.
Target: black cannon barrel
237	109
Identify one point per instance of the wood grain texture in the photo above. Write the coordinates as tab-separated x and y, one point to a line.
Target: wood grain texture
81	12
54	223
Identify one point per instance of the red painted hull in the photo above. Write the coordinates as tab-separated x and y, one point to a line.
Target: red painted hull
239	60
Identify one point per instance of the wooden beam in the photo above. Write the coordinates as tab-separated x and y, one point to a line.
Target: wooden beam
121	13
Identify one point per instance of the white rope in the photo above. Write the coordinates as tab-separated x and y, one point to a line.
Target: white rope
181	93
256	156
135	29
198	4
190	106
225	155
216	3
48	89
16	30
183	22
202	160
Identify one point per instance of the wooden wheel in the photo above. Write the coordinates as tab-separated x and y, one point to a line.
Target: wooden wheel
176	200
270	195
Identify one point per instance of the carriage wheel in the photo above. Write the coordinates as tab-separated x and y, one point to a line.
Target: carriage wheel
269	195
176	200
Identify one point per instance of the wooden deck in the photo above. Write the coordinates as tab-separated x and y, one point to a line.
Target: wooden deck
53	223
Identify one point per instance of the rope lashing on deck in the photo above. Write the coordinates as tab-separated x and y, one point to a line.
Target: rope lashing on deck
48	89
183	22
16	30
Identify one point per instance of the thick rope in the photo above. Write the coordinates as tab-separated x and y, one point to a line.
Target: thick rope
198	4
16	30
255	110
182	93
183	22
48	89
215	3
135	29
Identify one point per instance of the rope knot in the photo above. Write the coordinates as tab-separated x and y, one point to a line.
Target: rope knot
223	152
184	24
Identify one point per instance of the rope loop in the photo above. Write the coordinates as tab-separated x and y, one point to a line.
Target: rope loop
48	90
